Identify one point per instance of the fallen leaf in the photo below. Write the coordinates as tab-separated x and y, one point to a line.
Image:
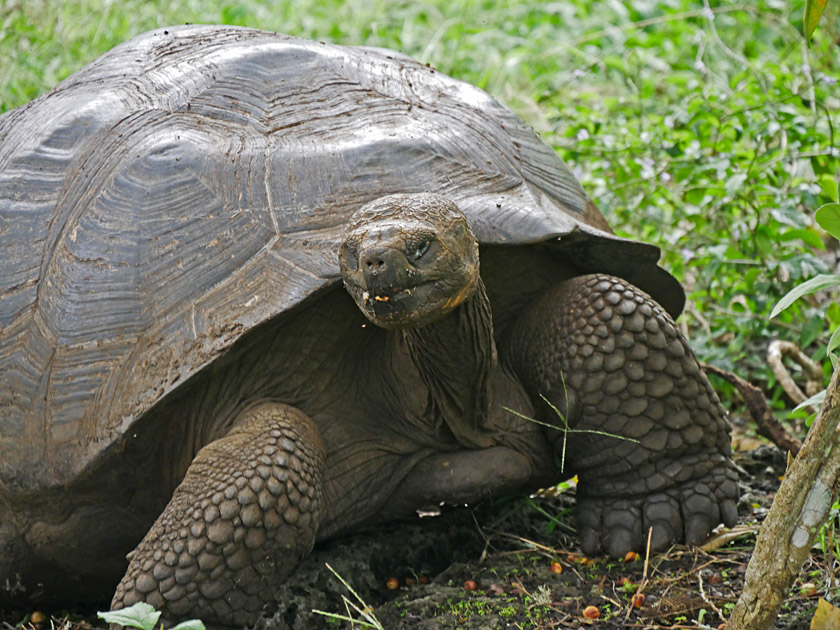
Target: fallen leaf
719	540
827	617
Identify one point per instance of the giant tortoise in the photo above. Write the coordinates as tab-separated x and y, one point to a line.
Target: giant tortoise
241	311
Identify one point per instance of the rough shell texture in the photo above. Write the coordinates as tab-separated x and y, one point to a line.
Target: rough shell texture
195	181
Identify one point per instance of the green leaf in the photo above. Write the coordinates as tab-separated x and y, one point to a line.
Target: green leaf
813	285
814	401
806	236
764	240
828	185
190	624
834	342
811	330
734	183
828	218
140	615
813	11
833	314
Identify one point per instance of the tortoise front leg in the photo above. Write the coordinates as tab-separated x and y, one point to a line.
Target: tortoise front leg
237	525
609	357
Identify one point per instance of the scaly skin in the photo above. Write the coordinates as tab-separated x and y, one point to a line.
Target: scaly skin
238	524
610	358
599	349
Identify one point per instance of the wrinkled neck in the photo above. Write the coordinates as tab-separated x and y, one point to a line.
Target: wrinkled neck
456	356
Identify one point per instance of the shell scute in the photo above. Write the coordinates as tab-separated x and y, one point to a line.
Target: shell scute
194	182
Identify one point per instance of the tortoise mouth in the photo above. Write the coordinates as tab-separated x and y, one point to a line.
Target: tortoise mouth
388	297
399	308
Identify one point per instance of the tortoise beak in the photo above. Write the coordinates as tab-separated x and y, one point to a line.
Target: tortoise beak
385	270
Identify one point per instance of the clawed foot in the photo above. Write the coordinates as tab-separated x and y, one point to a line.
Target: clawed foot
687	513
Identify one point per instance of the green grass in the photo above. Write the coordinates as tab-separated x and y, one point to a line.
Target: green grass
483	42
707	130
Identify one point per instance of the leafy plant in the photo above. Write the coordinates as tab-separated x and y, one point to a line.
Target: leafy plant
716	157
144	616
828	217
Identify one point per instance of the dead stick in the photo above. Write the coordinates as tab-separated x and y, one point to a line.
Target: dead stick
766	423
643	581
813	371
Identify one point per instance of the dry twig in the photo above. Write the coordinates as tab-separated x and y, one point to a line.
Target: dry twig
643	581
776	352
766	423
706	598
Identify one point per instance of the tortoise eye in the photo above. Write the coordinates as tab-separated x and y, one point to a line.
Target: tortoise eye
422	248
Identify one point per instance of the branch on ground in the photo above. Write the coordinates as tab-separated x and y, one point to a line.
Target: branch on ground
766	423
776	352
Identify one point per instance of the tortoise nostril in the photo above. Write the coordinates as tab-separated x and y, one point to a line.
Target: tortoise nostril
375	264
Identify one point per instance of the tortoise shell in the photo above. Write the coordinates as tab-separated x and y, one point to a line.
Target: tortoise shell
194	182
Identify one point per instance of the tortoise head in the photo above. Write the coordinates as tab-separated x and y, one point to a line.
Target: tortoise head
408	260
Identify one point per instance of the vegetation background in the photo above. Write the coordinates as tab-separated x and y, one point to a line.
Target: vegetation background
707	128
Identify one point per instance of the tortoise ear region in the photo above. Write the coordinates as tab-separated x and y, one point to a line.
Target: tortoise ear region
348	256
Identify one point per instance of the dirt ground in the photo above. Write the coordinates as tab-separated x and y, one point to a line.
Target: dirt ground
515	564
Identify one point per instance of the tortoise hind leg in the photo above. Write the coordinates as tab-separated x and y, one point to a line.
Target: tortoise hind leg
245	513
607	355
